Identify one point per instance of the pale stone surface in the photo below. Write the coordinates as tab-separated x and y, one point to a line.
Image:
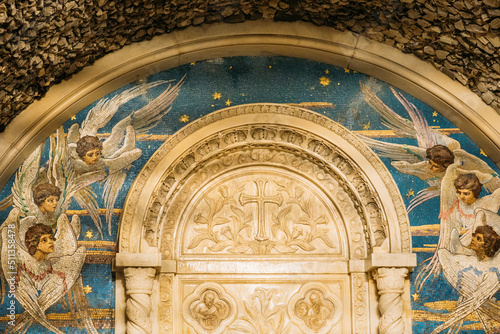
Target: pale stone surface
138	260
254	166
390	285
139	287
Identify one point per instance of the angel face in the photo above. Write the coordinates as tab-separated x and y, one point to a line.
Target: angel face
466	196
39	241
46	196
46	244
440	157
89	149
435	167
49	204
477	242
92	156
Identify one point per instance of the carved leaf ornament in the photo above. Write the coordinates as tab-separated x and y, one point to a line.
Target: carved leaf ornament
231	229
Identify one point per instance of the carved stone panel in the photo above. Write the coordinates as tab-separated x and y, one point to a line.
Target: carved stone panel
360	317
210	215
263	210
269	213
166	303
209	309
271	305
314	309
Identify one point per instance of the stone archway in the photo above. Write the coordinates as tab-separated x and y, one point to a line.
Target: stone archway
258	199
298	39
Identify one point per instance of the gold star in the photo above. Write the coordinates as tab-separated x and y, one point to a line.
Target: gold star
346	70
326	72
228	103
338	83
435	114
366	126
73	117
230	67
216	96
87	289
184	119
415	296
270	66
89	234
192	64
242	94
410	193
482	152
324	81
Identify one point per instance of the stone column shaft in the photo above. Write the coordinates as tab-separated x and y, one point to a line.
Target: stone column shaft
139	286
390	285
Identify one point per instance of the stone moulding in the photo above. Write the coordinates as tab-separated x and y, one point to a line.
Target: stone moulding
336	153
297	39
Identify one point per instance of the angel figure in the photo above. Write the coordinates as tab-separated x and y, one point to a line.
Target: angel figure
429	160
114	156
47	267
460	199
458	206
36	187
474	273
41	196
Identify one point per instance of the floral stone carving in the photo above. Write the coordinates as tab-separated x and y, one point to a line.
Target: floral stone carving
335	170
262	315
266	215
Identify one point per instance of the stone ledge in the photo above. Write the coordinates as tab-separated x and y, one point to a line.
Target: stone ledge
124	260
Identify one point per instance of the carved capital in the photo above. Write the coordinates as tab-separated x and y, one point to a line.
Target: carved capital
390	285
139	286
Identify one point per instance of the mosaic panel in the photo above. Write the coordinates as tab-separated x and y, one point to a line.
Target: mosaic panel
72	188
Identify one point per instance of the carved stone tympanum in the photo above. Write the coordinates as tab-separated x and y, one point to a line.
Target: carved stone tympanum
263	211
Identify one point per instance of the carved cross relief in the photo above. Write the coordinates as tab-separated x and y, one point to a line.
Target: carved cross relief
261	200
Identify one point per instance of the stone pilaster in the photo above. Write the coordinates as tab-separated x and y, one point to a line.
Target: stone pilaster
390	285
139	286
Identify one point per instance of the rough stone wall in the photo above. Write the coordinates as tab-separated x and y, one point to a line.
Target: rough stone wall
45	41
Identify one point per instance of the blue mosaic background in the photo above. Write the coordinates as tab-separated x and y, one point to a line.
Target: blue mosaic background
214	84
